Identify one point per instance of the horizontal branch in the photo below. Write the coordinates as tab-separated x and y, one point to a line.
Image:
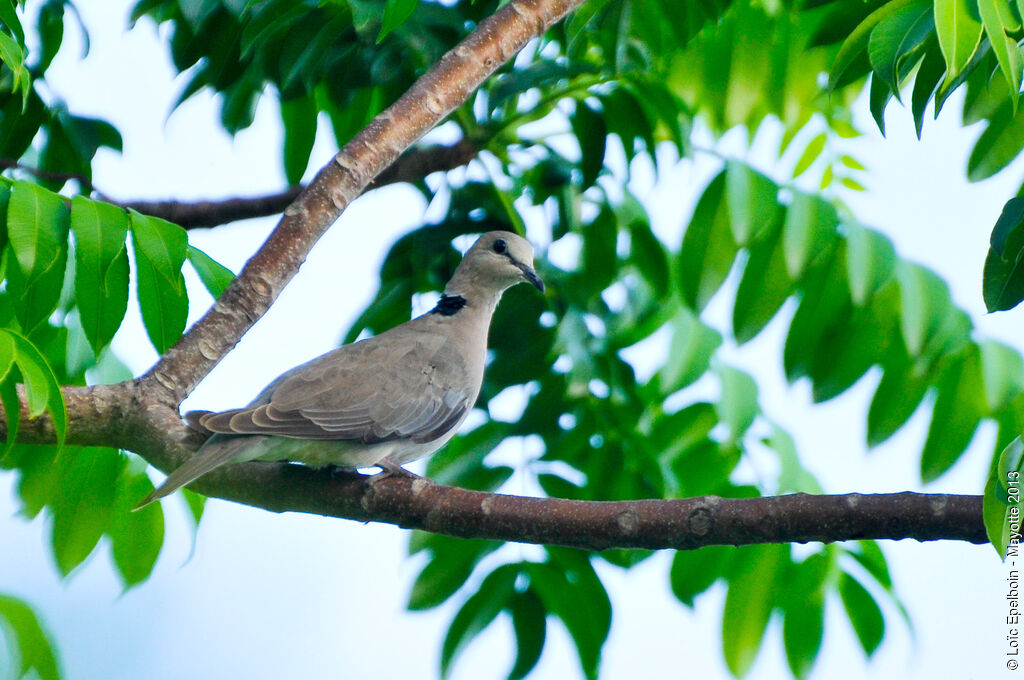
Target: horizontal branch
413	166
685	523
124	415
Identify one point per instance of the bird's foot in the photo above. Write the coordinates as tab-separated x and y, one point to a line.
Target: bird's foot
389	468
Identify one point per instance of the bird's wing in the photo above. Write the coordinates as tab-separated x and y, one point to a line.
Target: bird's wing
411	385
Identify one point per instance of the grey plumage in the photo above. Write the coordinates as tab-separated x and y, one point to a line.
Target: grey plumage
383	401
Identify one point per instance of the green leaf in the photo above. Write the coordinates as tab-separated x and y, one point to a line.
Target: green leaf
694	571
6	356
946	89
878	98
599	256
810	154
998	145
959	407
450	566
136	536
592	135
793	476
689	355
648	253
37	229
754	585
865	615
569	589
40	478
870	556
160	249
708	248
529	624
477	612
959	31
1002	368
925	303
852	184
50	27
13	56
101	268
927	79
626	118
804	612
824	303
196	12
9	19
9	398
83	510
752	199
42	391
851	61
299	117
1006	50
737	406
1001	504
1002	282
27	640
396	12
764	286
808	233
870	262
851	162
213	274
853	342
895	39
5	199
897	396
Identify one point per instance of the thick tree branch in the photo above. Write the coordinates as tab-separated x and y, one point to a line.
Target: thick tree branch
122	415
412	166
687	523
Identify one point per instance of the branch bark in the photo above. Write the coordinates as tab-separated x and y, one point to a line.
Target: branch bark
681	524
412	166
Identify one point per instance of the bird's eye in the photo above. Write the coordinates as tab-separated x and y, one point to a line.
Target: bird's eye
500	246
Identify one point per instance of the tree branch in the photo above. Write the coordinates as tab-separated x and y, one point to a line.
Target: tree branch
83	181
122	415
412	166
682	524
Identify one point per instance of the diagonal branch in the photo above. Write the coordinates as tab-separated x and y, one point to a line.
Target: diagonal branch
412	166
445	87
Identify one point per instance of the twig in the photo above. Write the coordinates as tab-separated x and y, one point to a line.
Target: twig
85	182
412	166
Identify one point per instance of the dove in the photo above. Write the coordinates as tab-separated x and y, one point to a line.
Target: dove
383	401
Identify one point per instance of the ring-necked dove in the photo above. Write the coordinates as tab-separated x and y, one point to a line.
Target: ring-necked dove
383	401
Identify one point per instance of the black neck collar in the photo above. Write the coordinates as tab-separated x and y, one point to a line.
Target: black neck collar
449	305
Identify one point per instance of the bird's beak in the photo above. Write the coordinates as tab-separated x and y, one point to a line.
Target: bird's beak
530	275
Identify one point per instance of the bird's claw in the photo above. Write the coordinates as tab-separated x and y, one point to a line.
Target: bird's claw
389	468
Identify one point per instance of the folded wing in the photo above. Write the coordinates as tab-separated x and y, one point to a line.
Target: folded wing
412	387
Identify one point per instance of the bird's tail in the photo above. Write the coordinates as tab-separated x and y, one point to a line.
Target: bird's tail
218	450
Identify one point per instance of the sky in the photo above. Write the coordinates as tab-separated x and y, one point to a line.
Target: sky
269	596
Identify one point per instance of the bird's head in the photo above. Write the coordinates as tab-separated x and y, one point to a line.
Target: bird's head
498	260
